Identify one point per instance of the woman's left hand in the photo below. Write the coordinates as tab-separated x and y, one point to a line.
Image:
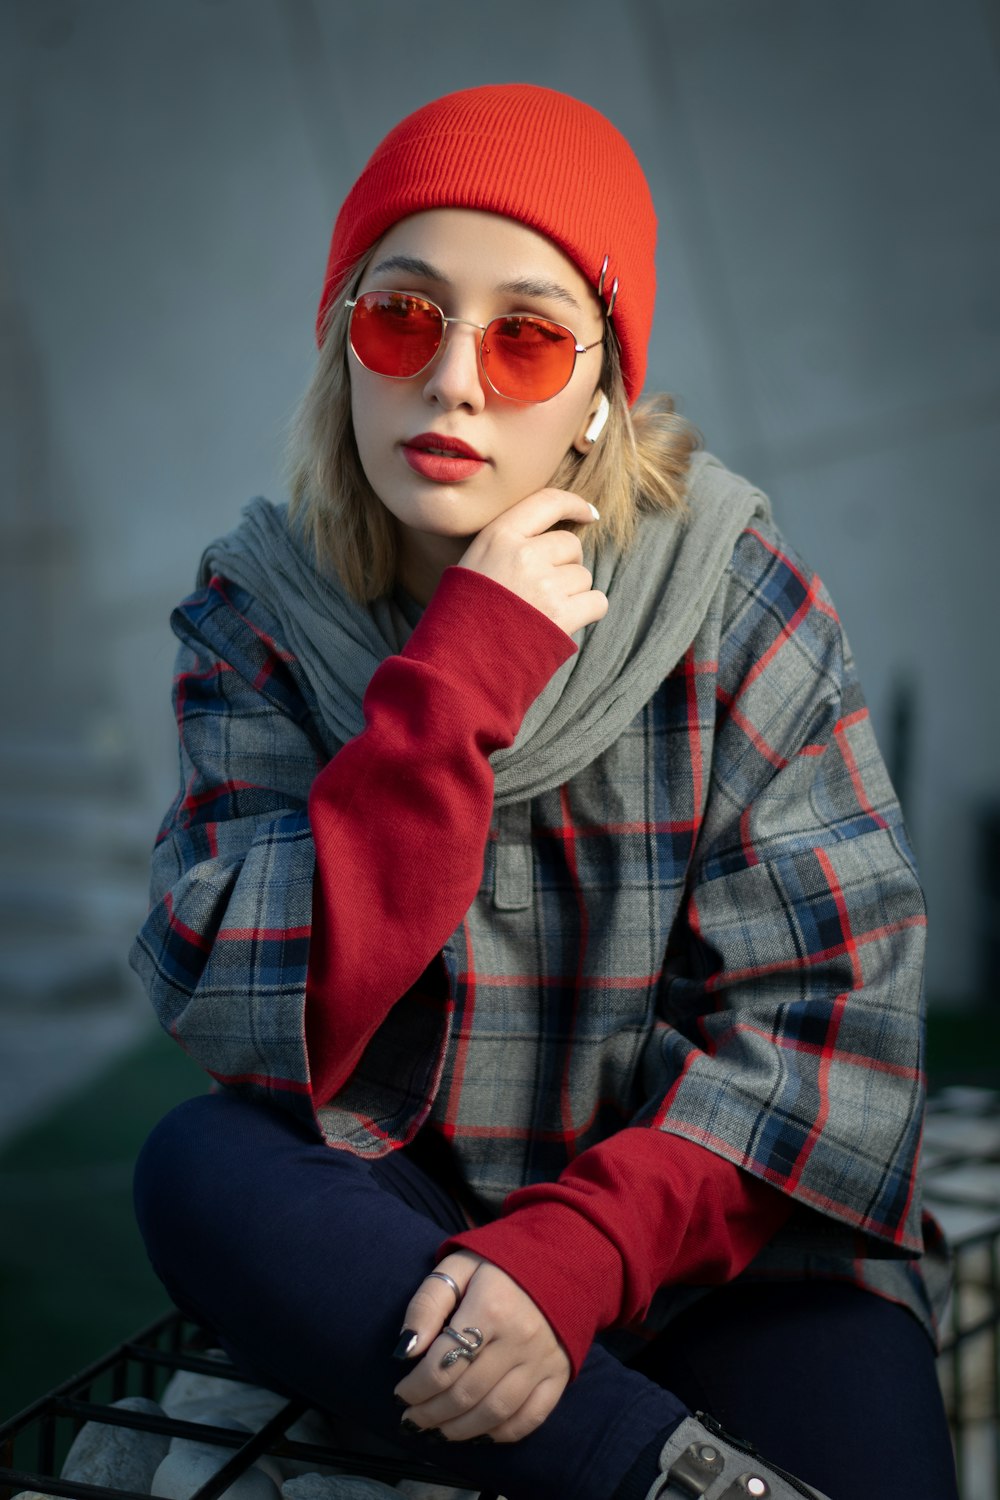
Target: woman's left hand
512	1383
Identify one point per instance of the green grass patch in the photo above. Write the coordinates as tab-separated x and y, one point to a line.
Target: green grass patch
74	1278
963	1047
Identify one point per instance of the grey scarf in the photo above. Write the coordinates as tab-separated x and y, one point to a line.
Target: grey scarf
658	593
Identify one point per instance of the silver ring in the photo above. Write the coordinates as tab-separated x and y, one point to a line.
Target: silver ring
470	1346
443	1276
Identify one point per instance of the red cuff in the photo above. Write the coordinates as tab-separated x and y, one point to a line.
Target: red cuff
638	1211
491	642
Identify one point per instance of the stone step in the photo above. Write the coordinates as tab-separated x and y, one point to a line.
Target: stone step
58	901
60	967
81	821
77	815
58	766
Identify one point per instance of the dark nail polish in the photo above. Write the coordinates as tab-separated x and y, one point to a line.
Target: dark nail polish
412	1428
407	1344
434	1435
484	1437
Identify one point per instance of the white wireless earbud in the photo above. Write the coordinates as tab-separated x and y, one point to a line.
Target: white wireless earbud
601	415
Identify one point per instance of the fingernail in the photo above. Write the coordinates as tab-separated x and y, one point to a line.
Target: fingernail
484	1437
594	511
407	1344
400	1401
406	1425
434	1435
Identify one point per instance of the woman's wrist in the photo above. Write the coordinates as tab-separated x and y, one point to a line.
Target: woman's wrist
571	1272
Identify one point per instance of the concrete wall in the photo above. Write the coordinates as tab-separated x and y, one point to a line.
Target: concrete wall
826	175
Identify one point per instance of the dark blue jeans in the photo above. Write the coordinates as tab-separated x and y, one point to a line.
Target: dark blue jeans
303	1260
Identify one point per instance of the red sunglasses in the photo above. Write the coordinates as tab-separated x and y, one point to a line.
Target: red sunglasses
524	358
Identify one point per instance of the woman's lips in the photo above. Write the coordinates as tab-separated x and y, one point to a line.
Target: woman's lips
442	459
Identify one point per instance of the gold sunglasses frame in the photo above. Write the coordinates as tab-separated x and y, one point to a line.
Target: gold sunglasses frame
578	348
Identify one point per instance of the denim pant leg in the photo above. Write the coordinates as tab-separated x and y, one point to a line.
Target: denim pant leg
304	1258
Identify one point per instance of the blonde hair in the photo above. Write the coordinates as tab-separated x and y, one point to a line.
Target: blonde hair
639	463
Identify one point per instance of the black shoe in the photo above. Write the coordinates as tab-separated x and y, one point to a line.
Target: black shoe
701	1459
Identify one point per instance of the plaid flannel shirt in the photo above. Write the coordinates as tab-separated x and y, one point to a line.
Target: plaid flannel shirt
715	930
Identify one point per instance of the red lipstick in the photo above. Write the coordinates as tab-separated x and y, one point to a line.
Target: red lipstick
445	460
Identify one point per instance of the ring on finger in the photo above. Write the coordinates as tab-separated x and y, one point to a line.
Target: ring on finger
471	1345
449	1281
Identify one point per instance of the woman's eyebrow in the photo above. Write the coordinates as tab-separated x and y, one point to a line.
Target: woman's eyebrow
411	264
526	286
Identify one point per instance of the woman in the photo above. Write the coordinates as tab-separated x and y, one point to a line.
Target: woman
535	893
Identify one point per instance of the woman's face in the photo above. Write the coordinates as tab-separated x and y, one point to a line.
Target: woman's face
475	266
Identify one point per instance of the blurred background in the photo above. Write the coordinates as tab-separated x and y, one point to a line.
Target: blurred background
826	173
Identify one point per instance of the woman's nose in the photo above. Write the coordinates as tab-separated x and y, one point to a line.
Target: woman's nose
455	377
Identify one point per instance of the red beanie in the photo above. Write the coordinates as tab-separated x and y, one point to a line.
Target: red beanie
534	155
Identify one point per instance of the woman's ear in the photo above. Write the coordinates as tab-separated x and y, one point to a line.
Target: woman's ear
595	426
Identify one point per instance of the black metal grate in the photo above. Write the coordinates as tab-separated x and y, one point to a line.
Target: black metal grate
34	1444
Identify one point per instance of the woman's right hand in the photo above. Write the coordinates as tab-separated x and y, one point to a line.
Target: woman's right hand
509	1388
544	567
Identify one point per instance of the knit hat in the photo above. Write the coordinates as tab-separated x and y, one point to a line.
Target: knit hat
541	157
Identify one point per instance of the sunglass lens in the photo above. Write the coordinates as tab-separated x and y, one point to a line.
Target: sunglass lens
527	359
393	334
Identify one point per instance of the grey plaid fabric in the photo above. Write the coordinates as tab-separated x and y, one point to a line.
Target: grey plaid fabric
714	929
